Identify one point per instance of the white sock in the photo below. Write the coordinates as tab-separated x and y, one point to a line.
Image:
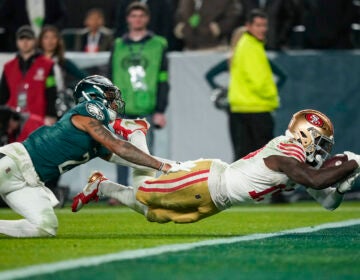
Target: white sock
20	228
124	194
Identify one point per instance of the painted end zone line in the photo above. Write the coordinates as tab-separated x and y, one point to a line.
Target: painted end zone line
141	253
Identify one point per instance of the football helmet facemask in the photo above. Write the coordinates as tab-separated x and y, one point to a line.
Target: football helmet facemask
315	132
100	88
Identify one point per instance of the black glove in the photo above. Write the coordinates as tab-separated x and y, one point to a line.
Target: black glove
219	98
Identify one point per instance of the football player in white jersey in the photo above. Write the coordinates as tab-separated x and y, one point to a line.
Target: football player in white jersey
211	186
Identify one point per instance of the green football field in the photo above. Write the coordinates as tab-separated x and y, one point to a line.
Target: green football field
291	241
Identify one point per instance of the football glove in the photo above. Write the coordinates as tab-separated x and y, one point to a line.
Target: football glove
220	99
181	166
355	157
346	185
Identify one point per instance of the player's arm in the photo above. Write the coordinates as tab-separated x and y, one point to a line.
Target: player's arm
115	145
308	176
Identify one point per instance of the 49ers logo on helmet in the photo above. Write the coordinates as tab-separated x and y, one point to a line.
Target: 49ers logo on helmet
314	119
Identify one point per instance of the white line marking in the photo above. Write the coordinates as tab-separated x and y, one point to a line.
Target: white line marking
141	253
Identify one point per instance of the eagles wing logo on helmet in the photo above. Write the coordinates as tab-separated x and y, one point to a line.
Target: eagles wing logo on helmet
314	120
95	111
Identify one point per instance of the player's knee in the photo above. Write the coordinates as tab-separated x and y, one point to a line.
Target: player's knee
48	225
158	216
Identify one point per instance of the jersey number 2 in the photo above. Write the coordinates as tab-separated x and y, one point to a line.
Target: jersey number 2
67	165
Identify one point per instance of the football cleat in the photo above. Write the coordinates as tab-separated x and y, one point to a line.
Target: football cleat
125	127
90	192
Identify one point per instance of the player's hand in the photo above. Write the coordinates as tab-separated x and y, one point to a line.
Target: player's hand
355	157
181	166
347	185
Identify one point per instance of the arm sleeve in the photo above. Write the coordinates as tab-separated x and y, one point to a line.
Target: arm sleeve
51	94
163	85
222	66
4	90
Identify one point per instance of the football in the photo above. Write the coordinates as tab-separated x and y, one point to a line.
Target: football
335	160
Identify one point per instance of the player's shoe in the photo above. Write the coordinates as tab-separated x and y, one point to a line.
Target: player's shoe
125	127
90	192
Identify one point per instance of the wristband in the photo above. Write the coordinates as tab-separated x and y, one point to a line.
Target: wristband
161	166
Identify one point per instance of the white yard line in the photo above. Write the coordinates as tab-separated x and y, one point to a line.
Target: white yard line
142	253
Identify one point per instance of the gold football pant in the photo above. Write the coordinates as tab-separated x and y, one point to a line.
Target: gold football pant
181	197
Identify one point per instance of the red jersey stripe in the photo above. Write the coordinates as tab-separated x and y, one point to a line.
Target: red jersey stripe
295	152
286	146
293	149
295	155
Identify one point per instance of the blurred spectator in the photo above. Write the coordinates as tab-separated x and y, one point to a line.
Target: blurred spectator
95	37
161	20
328	23
281	16
252	91
15	127
206	24
175	44
52	46
28	84
219	96
36	13
138	65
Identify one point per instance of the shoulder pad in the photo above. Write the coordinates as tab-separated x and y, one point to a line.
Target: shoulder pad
289	147
93	109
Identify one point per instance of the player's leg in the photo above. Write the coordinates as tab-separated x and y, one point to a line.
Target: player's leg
182	197
161	215
32	203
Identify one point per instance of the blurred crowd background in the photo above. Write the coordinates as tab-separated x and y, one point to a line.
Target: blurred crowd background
293	24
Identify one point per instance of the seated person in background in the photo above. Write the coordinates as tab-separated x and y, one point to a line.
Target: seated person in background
95	37
212	185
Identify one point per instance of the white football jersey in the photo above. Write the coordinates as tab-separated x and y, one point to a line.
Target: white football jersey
249	179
